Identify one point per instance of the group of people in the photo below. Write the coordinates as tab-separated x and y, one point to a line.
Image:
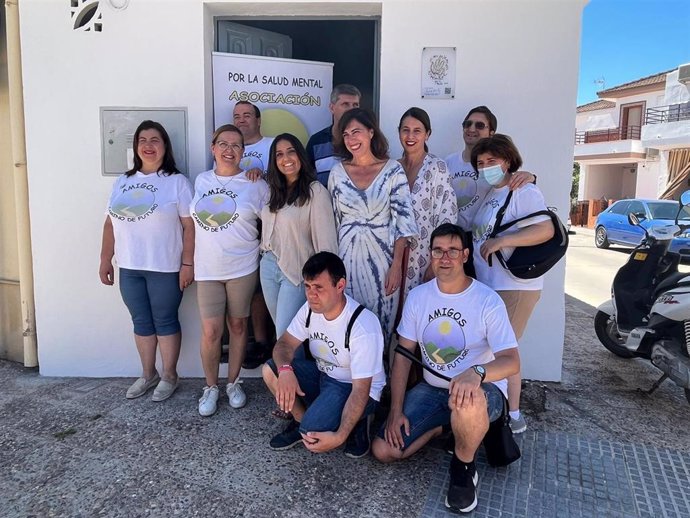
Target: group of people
344	243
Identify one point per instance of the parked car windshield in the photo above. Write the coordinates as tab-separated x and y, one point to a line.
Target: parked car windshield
661	210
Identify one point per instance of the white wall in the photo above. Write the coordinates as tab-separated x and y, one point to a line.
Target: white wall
157	53
648	180
583	121
605	181
597	120
508	72
629	183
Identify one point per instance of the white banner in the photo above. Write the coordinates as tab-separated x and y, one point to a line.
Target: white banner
292	95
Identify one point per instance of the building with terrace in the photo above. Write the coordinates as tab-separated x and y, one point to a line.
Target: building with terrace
634	142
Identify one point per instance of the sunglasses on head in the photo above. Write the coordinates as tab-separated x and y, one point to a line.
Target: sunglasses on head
477	124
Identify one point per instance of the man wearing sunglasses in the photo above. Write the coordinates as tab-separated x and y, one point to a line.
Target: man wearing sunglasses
470	189
464	334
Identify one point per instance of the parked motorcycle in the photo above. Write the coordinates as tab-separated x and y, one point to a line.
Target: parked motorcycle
648	315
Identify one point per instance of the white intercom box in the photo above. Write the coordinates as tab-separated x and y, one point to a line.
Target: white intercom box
118	125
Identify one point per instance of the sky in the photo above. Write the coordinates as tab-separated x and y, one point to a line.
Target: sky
625	40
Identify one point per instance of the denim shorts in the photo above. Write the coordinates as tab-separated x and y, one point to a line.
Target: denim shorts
152	299
324	397
426	408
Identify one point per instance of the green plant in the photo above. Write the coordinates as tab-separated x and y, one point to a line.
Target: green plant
575	185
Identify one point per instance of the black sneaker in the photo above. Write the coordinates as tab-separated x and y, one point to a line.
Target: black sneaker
358	442
287	438
462	488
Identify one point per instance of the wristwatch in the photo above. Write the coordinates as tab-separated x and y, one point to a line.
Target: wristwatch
479	369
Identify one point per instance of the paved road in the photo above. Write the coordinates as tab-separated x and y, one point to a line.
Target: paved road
589	270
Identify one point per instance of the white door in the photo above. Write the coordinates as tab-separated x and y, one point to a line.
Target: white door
243	39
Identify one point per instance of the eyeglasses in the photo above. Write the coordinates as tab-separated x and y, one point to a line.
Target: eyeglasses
477	124
224	146
452	253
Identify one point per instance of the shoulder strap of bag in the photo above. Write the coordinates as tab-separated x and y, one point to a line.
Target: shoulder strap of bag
499	215
506	226
407	354
497	225
351	323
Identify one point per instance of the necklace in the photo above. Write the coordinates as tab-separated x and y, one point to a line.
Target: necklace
217	177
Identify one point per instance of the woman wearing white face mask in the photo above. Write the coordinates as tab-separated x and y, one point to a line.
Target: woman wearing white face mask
495	159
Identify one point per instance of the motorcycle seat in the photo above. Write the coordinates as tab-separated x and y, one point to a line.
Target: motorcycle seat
675	280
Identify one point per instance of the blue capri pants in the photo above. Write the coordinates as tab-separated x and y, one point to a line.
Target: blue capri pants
152	299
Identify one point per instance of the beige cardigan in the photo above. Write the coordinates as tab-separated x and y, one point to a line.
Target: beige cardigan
295	233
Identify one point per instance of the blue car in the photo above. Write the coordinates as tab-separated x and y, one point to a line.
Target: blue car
612	225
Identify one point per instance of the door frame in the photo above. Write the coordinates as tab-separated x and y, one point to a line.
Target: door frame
376	97
625	108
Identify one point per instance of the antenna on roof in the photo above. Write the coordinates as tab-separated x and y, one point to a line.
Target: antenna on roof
601	82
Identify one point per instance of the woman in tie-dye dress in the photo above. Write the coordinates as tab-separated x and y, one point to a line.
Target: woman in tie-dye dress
373	213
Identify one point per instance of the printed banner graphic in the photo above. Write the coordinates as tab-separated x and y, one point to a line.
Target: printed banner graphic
292	95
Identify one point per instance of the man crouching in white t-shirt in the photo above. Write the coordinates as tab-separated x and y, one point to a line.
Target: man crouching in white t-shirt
463	329
333	394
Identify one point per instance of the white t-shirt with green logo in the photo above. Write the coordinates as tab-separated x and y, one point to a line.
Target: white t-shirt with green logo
225	210
456	331
145	210
256	155
470	188
327	345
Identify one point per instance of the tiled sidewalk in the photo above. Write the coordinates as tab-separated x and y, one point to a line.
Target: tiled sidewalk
565	475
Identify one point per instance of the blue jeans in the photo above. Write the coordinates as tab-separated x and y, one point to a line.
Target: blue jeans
283	298
426	408
152	299
324	397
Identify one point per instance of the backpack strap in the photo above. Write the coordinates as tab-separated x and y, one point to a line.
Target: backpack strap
351	323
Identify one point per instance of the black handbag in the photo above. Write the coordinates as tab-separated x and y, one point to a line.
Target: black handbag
530	262
499	444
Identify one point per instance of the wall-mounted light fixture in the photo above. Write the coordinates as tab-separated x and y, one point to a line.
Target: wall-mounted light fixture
118	5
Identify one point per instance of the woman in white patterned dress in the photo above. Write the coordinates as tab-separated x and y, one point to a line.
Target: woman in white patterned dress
373	214
433	198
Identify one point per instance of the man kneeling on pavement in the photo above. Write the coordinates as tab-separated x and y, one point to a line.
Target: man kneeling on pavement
333	394
464	333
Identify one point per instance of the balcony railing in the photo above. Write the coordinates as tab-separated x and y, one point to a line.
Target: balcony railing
609	135
673	113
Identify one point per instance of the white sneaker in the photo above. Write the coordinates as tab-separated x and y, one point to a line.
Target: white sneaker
518	425
208	402
236	394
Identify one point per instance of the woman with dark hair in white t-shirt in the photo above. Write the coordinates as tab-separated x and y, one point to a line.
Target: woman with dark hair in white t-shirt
149	232
495	159
226	208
